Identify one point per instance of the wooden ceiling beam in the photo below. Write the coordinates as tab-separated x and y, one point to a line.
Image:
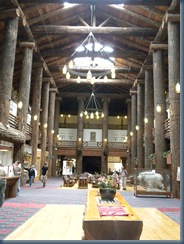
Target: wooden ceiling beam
125	31
116	54
97	95
95	2
97	81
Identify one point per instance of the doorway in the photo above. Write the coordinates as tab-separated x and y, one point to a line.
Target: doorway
91	164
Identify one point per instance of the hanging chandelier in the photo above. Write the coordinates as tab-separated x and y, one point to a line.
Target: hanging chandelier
90	60
92	108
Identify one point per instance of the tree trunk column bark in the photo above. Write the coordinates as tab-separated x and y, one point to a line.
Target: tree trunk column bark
79	145
174	99
149	116
104	156
140	123
7	67
35	118
52	99
128	101
44	120
56	131
133	129
159	105
24	89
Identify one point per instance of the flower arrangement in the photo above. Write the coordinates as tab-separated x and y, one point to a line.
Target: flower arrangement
107	182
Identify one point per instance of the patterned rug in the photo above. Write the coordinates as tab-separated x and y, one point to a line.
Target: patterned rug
16	211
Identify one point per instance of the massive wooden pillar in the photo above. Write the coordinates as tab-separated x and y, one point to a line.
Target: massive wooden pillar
133	129
159	102
7	61
79	145
128	101
56	130
50	132
35	118
174	99
140	123
104	156
149	116
44	119
24	89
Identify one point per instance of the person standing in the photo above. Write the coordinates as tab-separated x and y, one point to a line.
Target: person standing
17	170
31	174
2	184
44	174
123	178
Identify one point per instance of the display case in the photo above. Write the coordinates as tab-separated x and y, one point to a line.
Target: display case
151	182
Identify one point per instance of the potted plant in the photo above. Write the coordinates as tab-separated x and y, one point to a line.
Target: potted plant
151	157
108	186
167	155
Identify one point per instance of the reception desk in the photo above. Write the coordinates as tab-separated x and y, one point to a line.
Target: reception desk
11	186
110	227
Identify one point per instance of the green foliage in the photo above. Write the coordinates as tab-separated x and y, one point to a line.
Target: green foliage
166	153
151	156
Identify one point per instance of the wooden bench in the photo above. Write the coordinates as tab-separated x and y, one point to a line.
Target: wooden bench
110	227
67	181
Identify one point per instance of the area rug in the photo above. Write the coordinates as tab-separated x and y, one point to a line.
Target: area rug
16	211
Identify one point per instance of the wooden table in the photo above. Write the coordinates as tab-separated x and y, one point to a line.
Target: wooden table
11	186
110	227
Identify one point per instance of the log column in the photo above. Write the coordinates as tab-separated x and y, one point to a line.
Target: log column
79	145
7	61
36	102
128	101
104	156
149	116
174	98
44	118
140	123
133	132
159	102
50	131
56	130
24	89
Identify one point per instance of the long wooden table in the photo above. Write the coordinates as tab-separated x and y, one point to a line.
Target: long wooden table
98	227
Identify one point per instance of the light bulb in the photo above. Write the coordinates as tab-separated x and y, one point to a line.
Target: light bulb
35	117
158	108
177	87
70	64
20	104
67	75
78	79
64	69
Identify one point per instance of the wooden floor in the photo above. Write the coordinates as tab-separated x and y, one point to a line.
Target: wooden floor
64	222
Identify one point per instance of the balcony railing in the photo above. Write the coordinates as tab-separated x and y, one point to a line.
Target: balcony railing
90	144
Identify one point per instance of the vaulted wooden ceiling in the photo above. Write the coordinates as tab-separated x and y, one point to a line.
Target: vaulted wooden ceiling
58	31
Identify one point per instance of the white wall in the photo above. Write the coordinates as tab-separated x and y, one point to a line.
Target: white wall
67	134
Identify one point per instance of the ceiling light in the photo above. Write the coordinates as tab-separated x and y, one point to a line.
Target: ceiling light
92	108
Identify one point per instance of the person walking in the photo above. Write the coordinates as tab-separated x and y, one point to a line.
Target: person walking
123	178
17	170
44	174
3	183
31	174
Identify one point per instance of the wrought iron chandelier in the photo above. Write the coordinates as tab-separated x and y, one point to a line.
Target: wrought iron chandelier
91	61
92	108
